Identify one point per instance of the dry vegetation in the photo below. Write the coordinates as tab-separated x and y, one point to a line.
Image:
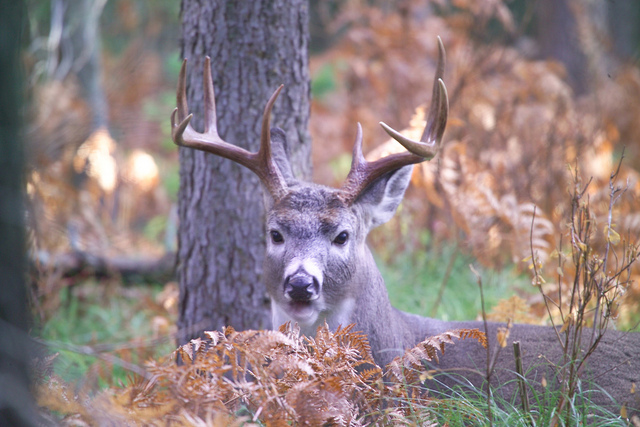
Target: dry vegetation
277	377
525	168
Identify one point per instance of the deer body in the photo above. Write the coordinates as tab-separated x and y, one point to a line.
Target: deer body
319	269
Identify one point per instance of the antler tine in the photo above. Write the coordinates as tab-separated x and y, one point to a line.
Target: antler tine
357	158
363	173
180	116
181	93
429	143
436	115
264	153
183	134
210	120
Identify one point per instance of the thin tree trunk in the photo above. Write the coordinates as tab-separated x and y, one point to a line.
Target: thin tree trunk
254	47
88	64
74	44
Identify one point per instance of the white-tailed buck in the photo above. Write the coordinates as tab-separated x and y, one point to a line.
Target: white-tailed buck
319	269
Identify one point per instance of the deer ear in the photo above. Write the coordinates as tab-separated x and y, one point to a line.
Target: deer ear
280	155
382	197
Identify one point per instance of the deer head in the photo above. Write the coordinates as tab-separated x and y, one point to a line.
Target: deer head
317	266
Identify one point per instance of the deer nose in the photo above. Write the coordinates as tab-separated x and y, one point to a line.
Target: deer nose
301	287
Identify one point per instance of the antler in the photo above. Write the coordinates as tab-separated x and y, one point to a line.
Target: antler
183	134
363	173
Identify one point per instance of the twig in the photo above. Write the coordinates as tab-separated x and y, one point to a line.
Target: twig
160	268
613	198
536	275
444	282
489	358
521	383
88	351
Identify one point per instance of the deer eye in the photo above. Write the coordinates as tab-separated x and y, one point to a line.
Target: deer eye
276	237
341	238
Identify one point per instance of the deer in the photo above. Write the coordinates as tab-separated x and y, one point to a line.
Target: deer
319	270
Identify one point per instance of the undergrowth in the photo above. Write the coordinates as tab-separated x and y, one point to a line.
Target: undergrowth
439	284
469	408
280	377
102	333
276	377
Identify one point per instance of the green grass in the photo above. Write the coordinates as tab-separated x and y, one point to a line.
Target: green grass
469	407
413	280
323	81
95	322
466	405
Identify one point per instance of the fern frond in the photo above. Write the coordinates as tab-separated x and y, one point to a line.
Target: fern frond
407	369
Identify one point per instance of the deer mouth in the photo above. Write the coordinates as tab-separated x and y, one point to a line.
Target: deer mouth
301	310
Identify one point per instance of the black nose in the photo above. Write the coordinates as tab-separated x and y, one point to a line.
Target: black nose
301	287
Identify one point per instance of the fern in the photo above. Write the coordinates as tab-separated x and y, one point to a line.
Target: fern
278	377
409	369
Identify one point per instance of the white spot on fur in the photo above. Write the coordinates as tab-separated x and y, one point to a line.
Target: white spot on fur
309	266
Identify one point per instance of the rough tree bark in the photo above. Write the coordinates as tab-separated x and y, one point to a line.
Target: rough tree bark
254	47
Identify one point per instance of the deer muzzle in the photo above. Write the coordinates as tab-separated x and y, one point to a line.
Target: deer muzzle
301	287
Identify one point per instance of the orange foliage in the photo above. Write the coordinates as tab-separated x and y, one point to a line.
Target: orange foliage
279	377
515	128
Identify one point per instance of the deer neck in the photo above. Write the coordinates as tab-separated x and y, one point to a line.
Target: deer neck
388	330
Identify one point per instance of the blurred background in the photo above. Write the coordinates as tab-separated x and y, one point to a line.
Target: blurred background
543	95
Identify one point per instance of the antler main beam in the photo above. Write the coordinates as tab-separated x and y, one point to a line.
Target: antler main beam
363	173
183	134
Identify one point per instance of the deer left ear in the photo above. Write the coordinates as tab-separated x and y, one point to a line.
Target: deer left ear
381	198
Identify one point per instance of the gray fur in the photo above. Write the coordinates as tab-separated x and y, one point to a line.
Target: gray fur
280	154
381	199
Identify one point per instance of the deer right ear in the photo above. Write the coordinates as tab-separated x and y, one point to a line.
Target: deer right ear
280	156
380	200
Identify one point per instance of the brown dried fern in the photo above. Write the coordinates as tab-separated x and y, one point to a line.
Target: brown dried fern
279	377
409	369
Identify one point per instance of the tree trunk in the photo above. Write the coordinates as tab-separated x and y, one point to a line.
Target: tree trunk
16	404
254	47
623	17
88	64
74	48
557	34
